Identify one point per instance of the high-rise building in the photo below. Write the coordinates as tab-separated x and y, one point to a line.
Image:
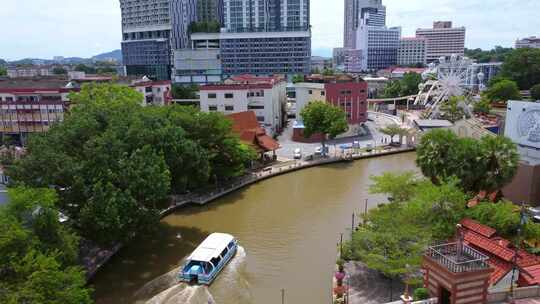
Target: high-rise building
265	37
530	42
150	30
412	51
266	15
338	58
382	47
443	40
210	10
373	12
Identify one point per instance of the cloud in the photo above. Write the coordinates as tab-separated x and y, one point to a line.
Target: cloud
45	28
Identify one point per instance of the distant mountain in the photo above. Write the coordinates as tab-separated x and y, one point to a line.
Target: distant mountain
116	55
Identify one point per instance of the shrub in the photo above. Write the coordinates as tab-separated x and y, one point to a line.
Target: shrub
421	294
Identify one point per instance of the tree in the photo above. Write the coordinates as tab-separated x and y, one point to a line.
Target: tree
393	130
37	253
535	92
114	162
297	78
410	83
84	68
185	91
503	91
499	161
452	109
498	54
400	187
3	71
486	164
323	118
523	66
433	152
483	106
392	89
328	72
59	71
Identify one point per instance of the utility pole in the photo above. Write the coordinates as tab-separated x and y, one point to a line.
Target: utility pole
341	247
282	296
352	226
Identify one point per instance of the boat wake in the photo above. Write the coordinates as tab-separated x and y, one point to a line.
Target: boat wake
231	286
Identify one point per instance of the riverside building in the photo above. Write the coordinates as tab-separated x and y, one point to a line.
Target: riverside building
443	40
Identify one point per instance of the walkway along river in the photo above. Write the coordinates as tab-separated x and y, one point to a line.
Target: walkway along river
288	227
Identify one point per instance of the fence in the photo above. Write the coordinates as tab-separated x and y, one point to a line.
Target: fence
519	293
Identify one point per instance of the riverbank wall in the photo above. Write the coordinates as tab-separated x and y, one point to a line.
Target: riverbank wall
100	256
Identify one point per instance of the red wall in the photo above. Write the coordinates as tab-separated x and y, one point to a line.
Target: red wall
353	93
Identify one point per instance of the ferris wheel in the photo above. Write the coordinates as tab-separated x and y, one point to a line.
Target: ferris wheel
447	78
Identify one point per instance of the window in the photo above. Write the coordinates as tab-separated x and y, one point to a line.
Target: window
255	107
260	118
346	92
310	92
148	89
212	108
229	108
229	95
212	96
323	93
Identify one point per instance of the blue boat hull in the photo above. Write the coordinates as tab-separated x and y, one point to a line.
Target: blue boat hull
208	279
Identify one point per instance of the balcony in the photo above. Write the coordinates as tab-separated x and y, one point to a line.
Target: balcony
458	261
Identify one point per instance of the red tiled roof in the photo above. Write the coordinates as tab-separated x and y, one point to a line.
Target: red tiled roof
490	246
246	125
500	269
267	142
478	228
525	259
531	275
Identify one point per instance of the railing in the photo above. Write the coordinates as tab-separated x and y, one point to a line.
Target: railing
448	256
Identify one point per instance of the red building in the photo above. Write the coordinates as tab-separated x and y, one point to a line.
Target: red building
343	91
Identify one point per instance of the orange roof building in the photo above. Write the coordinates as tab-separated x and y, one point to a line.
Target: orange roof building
245	124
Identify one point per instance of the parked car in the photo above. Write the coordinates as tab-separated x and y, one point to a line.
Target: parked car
297	153
369	147
318	151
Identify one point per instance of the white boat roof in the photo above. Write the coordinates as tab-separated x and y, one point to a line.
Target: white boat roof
211	247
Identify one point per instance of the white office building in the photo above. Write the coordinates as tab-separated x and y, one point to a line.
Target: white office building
530	42
443	40
266	96
412	51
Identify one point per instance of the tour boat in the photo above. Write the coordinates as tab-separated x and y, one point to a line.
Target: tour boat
207	261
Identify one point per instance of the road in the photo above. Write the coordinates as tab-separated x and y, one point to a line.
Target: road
372	136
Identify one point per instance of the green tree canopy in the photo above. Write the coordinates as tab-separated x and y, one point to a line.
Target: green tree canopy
503	90
410	83
523	66
185	91
37	253
298	78
59	71
486	164
483	106
114	162
535	92
392	89
324	118
498	54
3	71
452	109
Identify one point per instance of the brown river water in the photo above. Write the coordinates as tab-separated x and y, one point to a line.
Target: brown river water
288	228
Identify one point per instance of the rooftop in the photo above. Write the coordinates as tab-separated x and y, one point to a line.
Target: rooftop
211	247
458	258
246	125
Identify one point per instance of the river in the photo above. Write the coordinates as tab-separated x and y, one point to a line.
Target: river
288	227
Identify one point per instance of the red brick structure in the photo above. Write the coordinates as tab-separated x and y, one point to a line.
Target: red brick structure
456	274
343	91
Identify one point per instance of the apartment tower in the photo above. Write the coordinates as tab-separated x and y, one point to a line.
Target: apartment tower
443	40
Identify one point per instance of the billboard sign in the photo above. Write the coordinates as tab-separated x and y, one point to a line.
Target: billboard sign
523	123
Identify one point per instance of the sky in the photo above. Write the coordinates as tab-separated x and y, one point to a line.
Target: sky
84	28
